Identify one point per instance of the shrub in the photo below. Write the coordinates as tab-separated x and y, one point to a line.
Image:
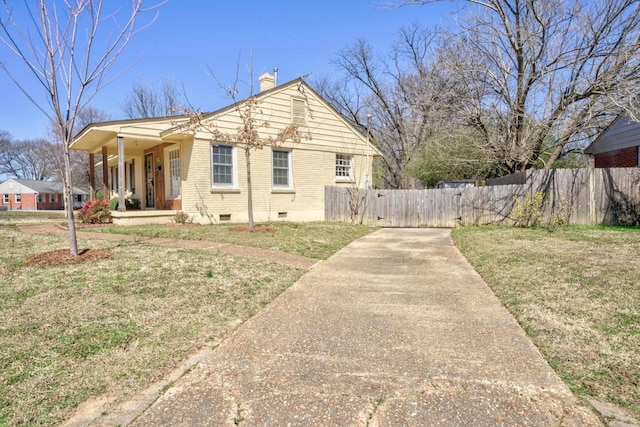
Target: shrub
559	217
528	211
131	203
94	212
113	203
182	218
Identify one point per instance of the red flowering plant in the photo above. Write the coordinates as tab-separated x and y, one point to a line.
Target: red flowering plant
94	212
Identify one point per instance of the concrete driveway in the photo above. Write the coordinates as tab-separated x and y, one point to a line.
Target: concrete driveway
396	329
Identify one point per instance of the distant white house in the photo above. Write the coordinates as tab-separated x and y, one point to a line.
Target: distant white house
33	195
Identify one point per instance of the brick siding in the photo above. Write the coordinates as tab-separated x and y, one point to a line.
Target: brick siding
625	158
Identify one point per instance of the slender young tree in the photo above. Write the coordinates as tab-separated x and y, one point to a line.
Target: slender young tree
67	49
248	135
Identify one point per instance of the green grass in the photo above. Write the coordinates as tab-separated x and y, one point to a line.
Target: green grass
317	240
116	325
8	216
577	294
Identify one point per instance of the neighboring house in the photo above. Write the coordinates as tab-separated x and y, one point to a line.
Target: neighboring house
456	183
618	145
32	195
170	167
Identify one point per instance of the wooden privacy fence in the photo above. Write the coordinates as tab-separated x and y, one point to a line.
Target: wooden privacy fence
590	196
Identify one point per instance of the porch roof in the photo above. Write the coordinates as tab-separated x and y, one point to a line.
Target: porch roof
138	134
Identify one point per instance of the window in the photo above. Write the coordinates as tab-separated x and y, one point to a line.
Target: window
5	198
281	169
298	111
344	167
174	173
222	160
53	198
41	198
18	198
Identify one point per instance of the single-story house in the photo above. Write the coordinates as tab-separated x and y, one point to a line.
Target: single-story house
32	195
171	164
618	146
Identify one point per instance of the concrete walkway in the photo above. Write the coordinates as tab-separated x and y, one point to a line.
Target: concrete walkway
394	330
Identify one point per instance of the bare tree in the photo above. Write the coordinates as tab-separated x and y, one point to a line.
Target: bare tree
544	74
67	48
144	100
406	95
28	159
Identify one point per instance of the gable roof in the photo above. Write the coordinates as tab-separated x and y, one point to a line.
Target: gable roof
168	128
622	133
39	187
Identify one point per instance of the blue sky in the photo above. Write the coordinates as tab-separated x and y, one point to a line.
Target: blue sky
296	36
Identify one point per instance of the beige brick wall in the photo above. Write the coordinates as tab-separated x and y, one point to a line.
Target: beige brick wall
312	162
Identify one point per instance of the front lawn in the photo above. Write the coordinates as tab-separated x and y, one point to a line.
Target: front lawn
28	215
576	292
115	325
312	239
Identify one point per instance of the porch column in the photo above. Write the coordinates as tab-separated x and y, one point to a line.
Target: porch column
105	174
92	177
121	171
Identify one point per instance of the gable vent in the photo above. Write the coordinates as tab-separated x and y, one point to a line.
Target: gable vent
298	111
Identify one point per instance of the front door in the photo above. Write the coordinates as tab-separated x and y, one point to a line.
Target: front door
149	172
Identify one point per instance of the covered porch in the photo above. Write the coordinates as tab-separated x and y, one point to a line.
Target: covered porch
139	167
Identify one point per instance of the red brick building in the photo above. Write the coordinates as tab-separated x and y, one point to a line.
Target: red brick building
617	146
36	195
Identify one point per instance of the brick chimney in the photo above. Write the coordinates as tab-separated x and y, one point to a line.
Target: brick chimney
267	81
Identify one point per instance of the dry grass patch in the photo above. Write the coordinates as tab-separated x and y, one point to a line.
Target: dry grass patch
114	325
317	240
577	294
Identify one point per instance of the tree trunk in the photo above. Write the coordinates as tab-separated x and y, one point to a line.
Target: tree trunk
247	153
68	199
554	156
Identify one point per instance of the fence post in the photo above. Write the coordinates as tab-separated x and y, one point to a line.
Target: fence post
592	196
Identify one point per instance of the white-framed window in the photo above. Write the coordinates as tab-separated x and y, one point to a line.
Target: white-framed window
5	198
344	167
298	111
174	173
18	198
53	198
41	198
223	166
281	169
